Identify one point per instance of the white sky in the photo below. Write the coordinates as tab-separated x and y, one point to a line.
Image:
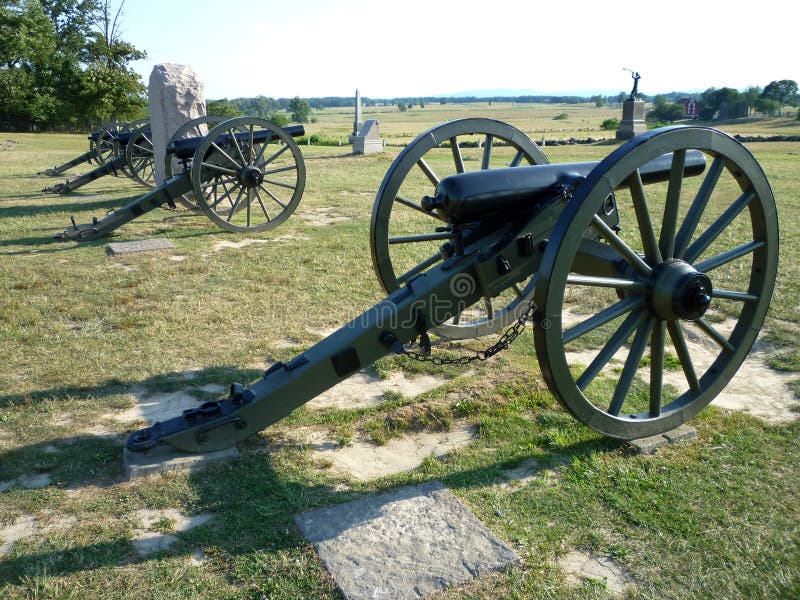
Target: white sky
396	48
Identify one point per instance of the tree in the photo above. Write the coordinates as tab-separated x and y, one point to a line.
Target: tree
401	106
223	108
113	90
751	96
768	107
783	91
27	44
300	110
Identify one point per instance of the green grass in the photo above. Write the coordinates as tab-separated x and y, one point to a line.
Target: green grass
82	330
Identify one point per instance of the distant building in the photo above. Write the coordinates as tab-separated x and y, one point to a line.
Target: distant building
691	109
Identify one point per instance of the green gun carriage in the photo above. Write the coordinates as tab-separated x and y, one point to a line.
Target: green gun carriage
247	175
102	146
623	268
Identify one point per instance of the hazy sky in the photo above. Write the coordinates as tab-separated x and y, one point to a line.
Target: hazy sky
389	48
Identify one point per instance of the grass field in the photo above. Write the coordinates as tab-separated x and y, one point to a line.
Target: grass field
82	333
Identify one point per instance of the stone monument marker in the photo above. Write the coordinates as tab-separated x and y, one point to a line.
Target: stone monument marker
365	137
176	96
632	123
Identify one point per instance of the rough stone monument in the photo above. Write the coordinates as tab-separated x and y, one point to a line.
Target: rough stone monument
365	137
632	123
176	96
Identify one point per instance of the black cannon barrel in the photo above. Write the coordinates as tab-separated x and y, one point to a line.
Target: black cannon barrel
493	193
186	147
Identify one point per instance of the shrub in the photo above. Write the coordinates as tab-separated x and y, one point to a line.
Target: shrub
610	124
561	117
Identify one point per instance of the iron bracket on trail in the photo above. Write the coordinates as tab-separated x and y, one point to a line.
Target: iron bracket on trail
618	259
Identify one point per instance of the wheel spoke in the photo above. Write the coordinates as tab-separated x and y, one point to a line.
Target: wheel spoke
617	283
732	295
604	316
263	208
670	222
678	338
273	196
412	239
621	335
218	168
657	367
458	159
428	172
487	152
726	257
718	226
698	206
635	355
487	304
228	192
235	206
715	335
649	242
288	186
262	165
620	246
517	160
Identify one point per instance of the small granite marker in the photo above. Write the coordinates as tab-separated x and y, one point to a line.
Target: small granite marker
408	543
139	246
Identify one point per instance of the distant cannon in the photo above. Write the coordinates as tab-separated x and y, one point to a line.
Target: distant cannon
246	175
129	151
102	144
618	265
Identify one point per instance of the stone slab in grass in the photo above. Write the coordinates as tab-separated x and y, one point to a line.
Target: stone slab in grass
164	458
408	543
134	246
648	445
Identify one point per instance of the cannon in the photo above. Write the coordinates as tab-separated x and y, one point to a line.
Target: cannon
246	175
128	150
623	268
102	145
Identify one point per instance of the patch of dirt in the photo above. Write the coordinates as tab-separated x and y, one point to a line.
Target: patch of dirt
7	144
579	566
28	526
177	257
365	461
147	539
366	389
160	407
28	482
756	389
225	244
321	216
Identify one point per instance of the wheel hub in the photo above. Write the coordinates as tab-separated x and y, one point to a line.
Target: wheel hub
251	177
680	291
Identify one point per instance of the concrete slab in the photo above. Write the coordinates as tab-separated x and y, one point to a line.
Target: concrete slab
134	246
163	458
648	445
408	543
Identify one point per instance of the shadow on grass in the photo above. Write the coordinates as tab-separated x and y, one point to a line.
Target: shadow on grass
253	498
70	204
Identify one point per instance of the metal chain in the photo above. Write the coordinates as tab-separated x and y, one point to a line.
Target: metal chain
501	344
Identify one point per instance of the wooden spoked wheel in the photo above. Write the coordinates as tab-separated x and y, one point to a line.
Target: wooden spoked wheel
196	128
648	342
139	156
406	239
248	175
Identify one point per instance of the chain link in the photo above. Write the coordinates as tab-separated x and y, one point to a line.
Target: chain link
501	344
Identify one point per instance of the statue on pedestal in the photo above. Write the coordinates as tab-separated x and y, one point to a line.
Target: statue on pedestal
636	78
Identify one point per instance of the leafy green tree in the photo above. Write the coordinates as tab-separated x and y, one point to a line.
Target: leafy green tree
783	91
113	90
401	106
27	44
767	106
223	108
751	96
300	110
664	111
